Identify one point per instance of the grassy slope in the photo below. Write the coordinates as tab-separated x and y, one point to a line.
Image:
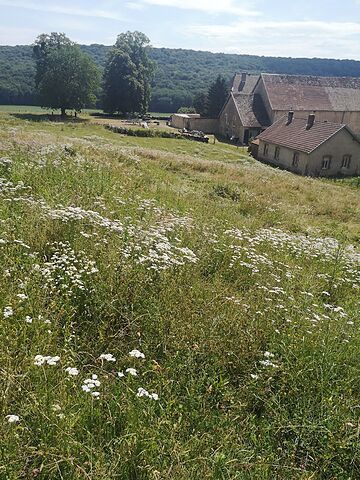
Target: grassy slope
204	327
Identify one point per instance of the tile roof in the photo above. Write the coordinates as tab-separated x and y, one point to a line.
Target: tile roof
251	109
244	83
296	137
304	92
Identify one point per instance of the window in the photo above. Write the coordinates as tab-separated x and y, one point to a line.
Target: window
277	153
346	161
266	149
326	162
295	161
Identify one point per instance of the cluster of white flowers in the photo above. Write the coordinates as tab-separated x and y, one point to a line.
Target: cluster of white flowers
72	371
40	360
89	385
325	249
136	353
5	162
108	357
8	312
267	362
66	270
144	393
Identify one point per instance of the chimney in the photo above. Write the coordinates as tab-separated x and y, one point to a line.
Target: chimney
290	117
242	82
310	122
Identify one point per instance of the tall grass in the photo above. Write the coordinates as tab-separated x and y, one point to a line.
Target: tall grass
236	281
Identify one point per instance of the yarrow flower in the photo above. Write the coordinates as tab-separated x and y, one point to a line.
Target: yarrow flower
72	371
89	385
131	371
144	393
22	296
28	319
136	353
8	312
109	357
40	360
12	418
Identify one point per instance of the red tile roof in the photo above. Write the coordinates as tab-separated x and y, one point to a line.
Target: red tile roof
296	137
304	92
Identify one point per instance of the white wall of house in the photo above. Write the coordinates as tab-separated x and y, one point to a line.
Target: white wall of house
340	145
229	122
343	143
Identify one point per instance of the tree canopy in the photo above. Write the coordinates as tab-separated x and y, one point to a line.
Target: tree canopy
180	74
216	96
128	74
66	78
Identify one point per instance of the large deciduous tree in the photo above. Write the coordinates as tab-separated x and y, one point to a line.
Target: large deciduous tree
216	97
66	78
128	74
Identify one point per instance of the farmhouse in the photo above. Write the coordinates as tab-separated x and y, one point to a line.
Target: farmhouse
309	146
257	101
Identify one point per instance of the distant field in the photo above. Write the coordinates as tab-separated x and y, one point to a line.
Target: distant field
35	109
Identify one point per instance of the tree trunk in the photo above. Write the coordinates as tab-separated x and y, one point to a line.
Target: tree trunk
63	112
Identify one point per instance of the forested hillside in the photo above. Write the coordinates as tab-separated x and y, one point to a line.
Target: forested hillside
179	76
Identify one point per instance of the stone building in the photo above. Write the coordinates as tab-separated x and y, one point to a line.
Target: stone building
257	101
193	121
309	146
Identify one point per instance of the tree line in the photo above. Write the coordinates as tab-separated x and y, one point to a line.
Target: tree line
68	79
179	78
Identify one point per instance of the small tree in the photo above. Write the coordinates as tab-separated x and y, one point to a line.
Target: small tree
128	73
186	110
66	78
200	103
216	97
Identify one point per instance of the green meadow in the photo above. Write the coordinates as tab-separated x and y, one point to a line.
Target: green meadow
173	310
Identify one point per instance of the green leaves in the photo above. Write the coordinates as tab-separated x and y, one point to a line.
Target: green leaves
127	76
66	77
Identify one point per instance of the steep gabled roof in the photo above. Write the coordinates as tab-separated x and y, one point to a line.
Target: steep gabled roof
303	92
251	110
244	82
295	136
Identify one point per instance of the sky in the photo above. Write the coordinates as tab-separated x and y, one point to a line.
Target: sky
304	28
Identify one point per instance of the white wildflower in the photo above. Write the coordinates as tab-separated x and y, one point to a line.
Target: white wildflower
268	355
12	418
8	312
40	360
121	374
28	319
136	353
72	371
108	357
22	296
131	371
144	393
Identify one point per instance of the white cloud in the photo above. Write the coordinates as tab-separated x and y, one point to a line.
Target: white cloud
232	7
62	9
287	38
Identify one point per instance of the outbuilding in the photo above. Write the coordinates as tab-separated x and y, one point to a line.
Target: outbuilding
310	147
